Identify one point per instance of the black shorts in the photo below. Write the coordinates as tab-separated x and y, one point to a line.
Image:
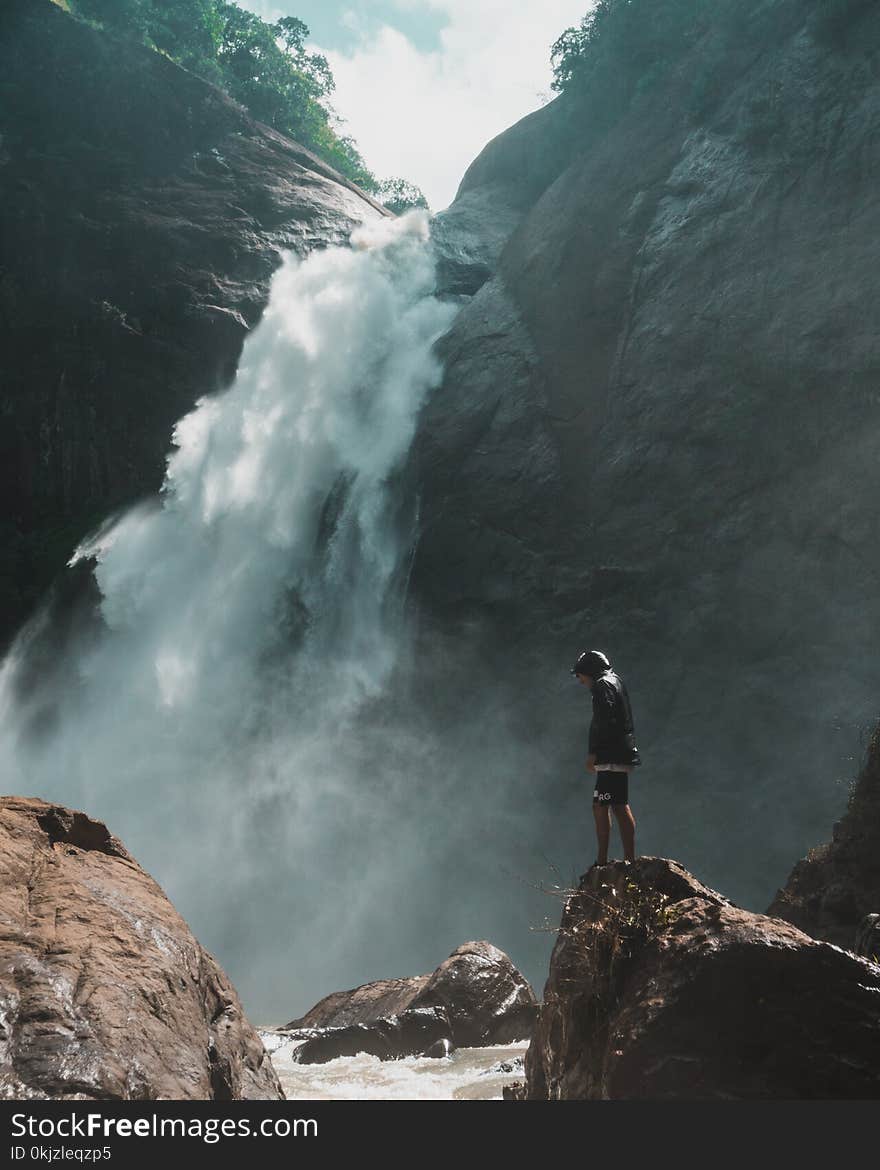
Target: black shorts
611	788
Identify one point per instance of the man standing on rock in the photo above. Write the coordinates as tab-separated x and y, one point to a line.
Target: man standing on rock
612	751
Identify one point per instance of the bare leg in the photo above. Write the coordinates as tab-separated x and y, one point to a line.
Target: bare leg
602	815
626	822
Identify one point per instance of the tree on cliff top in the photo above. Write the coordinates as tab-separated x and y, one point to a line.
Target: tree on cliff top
622	47
399	196
265	66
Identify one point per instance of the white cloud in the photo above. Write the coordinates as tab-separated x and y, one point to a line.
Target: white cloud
426	115
265	9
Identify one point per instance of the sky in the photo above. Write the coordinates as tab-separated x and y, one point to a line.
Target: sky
423	85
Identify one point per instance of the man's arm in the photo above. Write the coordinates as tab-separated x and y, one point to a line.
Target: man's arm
593	741
604	726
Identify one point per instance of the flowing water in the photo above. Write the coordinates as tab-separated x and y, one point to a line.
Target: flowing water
470	1074
219	717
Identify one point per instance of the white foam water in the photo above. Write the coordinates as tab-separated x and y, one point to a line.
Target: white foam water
250	615
469	1074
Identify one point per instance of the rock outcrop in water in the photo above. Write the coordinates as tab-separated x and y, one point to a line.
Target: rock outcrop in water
657	433
834	891
104	992
475	997
142	215
660	988
361	1005
415	1032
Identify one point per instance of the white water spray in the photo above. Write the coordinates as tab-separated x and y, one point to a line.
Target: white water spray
250	613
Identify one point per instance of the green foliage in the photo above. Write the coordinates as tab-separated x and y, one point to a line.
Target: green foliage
280	83
265	66
623	48
399	196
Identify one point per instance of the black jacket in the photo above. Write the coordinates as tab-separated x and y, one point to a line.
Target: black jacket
611	732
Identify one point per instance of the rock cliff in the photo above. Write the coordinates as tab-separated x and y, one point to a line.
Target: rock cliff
834	892
657	435
661	988
142	216
104	992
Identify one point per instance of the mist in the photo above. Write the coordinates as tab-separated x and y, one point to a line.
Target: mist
329	787
226	715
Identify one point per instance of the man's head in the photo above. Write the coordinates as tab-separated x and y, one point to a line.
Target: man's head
590	664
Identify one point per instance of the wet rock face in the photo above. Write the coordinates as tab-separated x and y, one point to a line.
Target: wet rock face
415	1032
361	1005
834	892
468	238
141	220
477	990
496	192
660	988
104	992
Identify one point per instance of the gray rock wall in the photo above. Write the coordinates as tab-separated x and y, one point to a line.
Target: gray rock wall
657	435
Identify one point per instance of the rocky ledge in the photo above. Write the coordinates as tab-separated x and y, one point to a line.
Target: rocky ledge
834	892
475	997
104	992
659	987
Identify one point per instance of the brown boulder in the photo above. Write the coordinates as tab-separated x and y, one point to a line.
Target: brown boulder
484	996
105	994
660	988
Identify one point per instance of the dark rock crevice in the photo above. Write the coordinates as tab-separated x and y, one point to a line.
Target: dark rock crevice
831	893
62	826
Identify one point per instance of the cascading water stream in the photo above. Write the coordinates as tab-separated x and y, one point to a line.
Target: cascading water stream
249	613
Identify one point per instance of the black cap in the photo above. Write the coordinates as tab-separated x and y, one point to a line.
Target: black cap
591	663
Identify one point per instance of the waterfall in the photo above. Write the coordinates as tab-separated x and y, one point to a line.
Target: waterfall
251	617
